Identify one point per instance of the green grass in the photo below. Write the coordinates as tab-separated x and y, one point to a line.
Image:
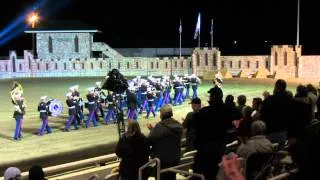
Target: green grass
32	146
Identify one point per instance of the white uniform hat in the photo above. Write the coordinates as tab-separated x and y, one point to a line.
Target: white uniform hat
138	77
43	97
98	83
90	89
148	89
69	94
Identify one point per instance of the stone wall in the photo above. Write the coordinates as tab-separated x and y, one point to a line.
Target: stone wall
205	60
64	45
309	67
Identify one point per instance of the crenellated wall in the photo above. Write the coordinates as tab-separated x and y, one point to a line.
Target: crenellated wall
309	67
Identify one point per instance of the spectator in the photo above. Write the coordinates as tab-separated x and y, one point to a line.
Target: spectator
165	139
189	124
313	95
275	112
211	124
301	112
242	99
12	173
244	129
256	105
230	101
289	94
133	151
36	172
265	95
258	143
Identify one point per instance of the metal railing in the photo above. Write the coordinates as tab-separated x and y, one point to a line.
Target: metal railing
284	175
152	161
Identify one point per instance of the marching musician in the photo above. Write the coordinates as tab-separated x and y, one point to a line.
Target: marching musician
111	107
177	91
71	103
100	95
150	100
79	109
43	109
132	104
18	115
92	105
159	95
143	88
186	82
195	81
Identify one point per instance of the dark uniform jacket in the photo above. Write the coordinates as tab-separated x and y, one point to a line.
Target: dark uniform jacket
71	106
43	109
92	101
22	109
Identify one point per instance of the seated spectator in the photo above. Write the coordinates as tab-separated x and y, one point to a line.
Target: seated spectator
12	173
265	95
258	143
165	140
244	129
313	95
256	105
36	172
189	124
242	99
289	94
230	101
133	151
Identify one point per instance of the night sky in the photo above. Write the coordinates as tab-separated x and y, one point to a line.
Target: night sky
154	23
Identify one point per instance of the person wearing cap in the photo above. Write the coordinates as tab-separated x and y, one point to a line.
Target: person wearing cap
18	115
188	123
71	103
150	101
111	106
79	108
165	140
186	82
195	81
43	109
211	124
100	95
12	173
92	105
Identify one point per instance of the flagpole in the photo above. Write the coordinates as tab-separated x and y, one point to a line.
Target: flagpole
199	40
180	32
211	32
298	23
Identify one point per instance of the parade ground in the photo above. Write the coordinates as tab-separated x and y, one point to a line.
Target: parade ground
61	147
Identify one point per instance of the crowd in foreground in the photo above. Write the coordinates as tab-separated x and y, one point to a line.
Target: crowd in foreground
281	119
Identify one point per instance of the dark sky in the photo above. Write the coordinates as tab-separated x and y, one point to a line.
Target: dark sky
154	23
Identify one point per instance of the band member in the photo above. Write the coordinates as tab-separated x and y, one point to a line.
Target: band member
177	91
159	95
111	108
71	103
150	99
79	108
218	80
132	104
43	109
143	89
186	82
92	105
195	81
167	98
18	115
101	98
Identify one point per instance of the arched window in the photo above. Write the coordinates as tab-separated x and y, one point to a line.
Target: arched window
190	64
215	60
222	64
76	44
181	64
239	64
257	64
175	64
157	65
128	65
38	66
20	67
73	65
230	64
56	66
29	61
295	59
285	56
206	59
166	64
198	59
151	65
82	65
119	65
91	65
267	64
50	45
109	65
100	65
47	66
64	66
248	64
137	65
276	59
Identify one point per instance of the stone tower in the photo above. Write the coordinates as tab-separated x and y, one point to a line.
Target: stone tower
205	60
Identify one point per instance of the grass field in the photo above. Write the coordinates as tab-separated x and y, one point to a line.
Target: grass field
33	146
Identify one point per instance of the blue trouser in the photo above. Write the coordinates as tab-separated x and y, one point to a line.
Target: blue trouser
186	96
44	126
177	95
181	95
132	114
150	109
194	89
166	98
101	109
109	115
91	117
159	103
71	121
79	116
17	132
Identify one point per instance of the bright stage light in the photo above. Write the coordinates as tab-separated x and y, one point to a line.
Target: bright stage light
33	19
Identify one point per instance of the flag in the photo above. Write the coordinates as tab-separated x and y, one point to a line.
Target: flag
180	27
197	31
211	29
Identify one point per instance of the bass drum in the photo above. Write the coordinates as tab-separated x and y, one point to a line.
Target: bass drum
55	107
